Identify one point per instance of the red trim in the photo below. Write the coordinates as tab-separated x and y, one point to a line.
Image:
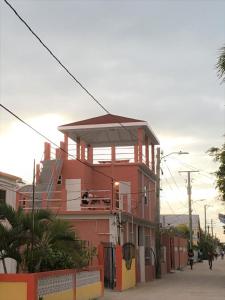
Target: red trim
118	268
31	288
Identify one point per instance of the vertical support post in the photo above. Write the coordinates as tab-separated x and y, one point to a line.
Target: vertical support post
189	204
66	146
78	148
37	173
136	154
119	268
47	151
190	209
147	150
62	153
82	151
140	143
112	197
32	214
157	221
212	227
153	157
113	154
205	206
90	154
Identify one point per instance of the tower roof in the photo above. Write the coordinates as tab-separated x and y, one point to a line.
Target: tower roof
108	130
105	119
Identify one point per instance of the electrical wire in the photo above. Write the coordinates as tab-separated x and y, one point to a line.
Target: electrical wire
62	65
174	181
53	143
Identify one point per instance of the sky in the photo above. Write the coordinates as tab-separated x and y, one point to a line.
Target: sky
149	60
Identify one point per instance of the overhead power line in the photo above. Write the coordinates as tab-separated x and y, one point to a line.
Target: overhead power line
53	143
55	57
63	66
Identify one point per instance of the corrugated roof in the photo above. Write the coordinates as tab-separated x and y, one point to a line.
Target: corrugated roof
9	176
173	220
105	119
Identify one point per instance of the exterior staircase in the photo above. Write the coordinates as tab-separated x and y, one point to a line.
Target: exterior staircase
50	173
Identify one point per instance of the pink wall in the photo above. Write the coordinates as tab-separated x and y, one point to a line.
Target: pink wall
94	231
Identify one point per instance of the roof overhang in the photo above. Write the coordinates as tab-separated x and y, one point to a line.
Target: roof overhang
106	135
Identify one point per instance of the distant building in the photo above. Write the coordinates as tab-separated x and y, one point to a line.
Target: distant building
8	185
175	220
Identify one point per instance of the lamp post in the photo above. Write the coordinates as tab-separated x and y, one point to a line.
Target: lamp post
205	208
157	231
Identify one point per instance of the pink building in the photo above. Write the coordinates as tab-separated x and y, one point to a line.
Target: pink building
105	186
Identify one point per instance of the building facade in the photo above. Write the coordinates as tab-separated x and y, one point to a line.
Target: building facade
8	186
102	179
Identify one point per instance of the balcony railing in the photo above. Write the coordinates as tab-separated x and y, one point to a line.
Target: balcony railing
90	200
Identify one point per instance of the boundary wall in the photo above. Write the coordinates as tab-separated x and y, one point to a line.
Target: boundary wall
68	284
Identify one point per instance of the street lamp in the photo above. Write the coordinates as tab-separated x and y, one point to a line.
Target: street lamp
157	232
179	153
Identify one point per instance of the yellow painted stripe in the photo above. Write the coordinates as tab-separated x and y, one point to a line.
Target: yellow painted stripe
128	276
13	291
65	295
88	292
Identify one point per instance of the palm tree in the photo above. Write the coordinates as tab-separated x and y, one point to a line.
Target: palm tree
11	232
16	232
39	241
220	65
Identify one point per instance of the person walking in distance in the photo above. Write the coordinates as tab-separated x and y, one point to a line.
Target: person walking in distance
210	258
222	254
191	258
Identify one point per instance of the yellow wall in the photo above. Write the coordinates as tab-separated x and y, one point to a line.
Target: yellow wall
13	291
65	295
88	292
128	276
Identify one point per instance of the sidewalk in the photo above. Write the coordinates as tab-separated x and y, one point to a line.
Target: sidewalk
197	284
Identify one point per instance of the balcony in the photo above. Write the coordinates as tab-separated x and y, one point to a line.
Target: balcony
60	201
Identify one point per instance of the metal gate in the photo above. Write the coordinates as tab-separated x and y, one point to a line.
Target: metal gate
109	265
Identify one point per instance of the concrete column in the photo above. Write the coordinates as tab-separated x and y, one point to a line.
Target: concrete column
78	148
153	157
47	151
66	145
83	150
113	153
147	150
62	153
37	173
136	154
90	154
140	144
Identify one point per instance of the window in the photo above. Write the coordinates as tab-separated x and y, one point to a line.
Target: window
59	180
2	196
145	195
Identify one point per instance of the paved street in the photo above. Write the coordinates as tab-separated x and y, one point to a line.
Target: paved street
198	284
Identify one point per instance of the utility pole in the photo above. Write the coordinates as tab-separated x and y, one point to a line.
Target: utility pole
208	229
157	218
212	227
157	231
205	206
32	212
189	203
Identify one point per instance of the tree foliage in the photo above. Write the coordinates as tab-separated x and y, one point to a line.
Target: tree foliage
40	242
208	243
220	65
219	156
